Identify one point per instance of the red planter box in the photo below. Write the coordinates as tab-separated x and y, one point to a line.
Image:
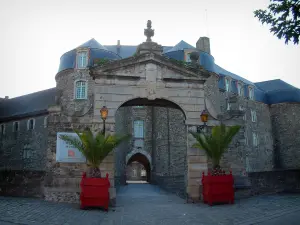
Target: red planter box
94	192
218	189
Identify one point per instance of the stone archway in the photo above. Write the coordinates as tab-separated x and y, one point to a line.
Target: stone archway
142	152
150	79
143	160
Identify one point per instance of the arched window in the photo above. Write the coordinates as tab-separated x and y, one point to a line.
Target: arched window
80	89
30	124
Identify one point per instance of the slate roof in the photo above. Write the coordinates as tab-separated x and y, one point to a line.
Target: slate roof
27	105
269	92
181	46
274	85
92	44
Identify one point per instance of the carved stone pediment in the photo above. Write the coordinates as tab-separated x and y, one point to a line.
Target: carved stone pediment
149	66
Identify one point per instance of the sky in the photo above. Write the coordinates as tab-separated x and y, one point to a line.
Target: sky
35	33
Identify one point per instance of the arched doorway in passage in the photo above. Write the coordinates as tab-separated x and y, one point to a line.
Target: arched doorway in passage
138	168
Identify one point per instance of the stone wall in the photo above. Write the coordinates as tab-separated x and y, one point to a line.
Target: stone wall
24	149
277	181
121	127
24	183
169	156
286	132
65	85
62	179
243	156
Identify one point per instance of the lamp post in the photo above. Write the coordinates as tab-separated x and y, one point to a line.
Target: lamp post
103	113
204	119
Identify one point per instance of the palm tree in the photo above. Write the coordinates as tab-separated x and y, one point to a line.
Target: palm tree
216	143
94	147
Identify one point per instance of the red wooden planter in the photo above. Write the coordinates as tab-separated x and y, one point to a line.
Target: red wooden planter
217	189
94	192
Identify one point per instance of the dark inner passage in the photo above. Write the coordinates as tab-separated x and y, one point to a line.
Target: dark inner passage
138	168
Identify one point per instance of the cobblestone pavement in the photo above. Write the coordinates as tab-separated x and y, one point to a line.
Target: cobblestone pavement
143	204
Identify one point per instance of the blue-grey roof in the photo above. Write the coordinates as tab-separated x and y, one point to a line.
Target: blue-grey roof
224	72
114	52
124	51
97	51
274	85
92	44
269	92
27	105
278	91
181	46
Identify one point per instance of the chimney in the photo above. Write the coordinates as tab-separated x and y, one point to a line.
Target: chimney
203	44
118	47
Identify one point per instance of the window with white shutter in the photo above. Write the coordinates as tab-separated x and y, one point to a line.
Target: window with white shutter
138	129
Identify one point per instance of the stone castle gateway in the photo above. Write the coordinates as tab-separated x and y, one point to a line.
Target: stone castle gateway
157	94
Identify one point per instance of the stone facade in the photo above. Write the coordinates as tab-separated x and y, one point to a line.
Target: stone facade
22	157
172	96
24	149
285	124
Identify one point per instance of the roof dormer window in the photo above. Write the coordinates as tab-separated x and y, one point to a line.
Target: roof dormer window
82	59
227	84
2	129
240	88
251	93
16	126
30	124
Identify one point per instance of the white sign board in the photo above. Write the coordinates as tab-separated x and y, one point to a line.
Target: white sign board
66	152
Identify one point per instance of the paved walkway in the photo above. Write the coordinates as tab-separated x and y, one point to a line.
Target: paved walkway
144	204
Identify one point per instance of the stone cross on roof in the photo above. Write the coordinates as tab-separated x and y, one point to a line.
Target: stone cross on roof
149	32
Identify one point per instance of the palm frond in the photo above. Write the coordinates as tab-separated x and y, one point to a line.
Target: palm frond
216	143
96	147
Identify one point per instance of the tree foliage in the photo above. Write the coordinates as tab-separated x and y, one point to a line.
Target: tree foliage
216	143
284	18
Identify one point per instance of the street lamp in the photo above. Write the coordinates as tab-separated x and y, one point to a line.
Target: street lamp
204	119
103	113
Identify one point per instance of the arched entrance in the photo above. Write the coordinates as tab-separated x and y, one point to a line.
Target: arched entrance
158	143
138	168
169	97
